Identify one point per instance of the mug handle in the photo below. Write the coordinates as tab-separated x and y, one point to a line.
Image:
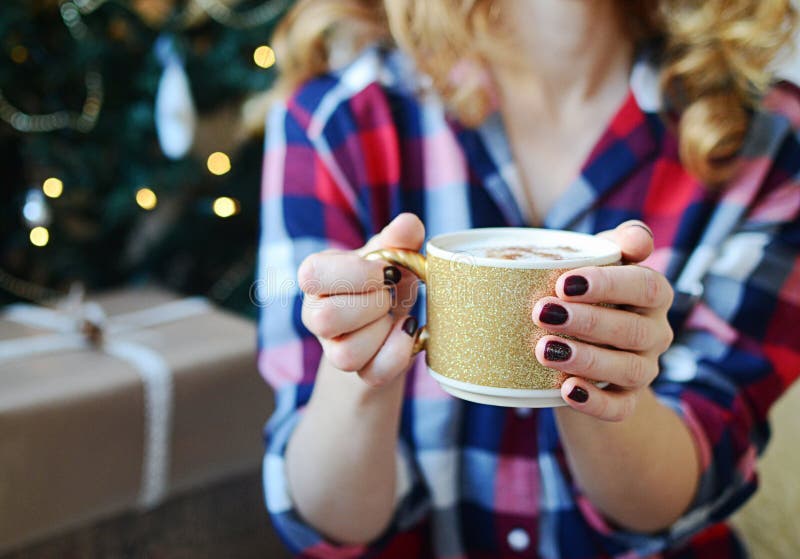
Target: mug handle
415	263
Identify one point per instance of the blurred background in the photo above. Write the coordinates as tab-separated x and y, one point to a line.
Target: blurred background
131	407
124	156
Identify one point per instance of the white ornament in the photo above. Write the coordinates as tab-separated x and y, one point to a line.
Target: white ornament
35	211
176	117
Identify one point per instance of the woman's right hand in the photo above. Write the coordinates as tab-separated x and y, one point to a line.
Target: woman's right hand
359	309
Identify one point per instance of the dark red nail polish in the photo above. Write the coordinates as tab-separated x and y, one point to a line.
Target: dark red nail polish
557	351
391	275
575	285
553	314
410	326
579	395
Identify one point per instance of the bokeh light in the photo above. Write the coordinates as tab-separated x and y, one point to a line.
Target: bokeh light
264	56
225	206
146	198
39	236
19	54
218	163
52	187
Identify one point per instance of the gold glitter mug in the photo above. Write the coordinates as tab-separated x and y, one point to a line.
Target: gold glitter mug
481	286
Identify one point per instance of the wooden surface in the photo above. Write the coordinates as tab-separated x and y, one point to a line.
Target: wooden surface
224	521
770	521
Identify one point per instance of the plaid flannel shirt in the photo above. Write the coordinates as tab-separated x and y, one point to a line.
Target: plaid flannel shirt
350	150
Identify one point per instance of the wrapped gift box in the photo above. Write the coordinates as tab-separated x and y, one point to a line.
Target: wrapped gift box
103	414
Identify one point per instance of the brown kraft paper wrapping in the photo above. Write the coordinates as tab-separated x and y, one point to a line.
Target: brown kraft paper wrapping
72	422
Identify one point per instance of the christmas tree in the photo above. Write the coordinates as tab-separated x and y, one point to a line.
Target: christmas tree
121	144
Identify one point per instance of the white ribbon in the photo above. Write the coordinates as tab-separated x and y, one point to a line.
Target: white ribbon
153	370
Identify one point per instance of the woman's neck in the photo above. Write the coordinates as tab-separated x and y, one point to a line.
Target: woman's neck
568	52
567	77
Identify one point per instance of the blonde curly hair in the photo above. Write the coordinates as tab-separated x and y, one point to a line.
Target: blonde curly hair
716	57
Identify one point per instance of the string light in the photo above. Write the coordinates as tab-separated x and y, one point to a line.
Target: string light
264	56
19	54
218	163
39	236
83	122
146	198
225	206
52	187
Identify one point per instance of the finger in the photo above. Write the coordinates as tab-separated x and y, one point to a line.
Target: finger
394	356
636	286
608	405
354	350
621	368
404	231
333	273
592	323
335	315
634	238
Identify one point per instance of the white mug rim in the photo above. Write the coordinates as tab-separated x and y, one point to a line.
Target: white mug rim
608	252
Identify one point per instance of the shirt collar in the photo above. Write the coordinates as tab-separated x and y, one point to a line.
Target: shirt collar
630	140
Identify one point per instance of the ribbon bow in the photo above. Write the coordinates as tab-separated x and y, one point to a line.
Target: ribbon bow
77	324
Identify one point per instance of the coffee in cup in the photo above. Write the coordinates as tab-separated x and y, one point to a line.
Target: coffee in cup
481	286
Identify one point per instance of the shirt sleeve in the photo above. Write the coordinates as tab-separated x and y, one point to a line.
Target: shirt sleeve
737	353
309	204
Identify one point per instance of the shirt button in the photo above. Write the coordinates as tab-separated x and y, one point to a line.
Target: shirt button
518	539
523	413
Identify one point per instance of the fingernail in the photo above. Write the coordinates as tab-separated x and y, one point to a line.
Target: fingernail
391	275
646	228
410	326
556	351
575	285
553	314
579	395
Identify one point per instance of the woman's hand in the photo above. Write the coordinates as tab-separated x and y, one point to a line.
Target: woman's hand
348	426
358	309
630	337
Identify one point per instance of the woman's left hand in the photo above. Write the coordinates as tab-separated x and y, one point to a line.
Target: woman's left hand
633	335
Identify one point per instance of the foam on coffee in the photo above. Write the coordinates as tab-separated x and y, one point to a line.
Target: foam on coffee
527	252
